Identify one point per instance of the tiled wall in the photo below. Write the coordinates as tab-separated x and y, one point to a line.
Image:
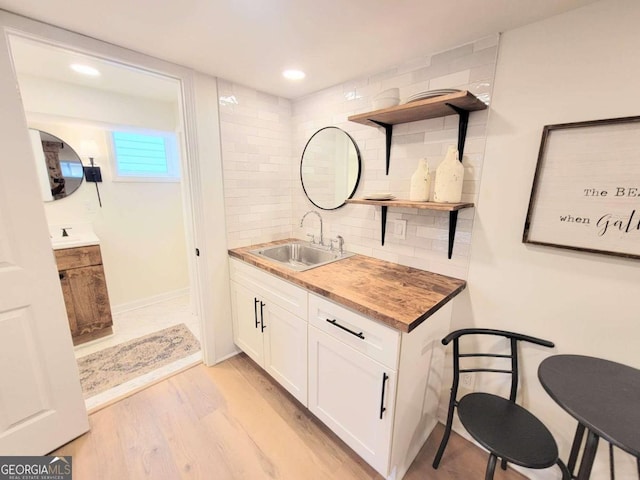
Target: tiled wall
256	151
470	67
263	138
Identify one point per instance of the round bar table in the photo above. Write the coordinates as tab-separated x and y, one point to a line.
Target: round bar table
604	397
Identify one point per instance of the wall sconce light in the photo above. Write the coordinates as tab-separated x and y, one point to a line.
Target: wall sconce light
89	148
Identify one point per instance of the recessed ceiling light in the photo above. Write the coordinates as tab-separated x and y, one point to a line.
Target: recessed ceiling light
293	74
85	69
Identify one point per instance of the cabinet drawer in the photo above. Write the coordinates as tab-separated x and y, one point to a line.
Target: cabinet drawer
273	289
78	257
375	340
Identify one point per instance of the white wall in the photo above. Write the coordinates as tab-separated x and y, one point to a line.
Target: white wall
582	65
140	224
50	97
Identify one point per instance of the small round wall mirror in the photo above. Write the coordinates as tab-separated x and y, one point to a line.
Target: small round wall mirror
330	168
59	167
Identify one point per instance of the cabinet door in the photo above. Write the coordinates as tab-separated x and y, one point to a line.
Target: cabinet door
68	303
348	392
88	289
247	333
285	350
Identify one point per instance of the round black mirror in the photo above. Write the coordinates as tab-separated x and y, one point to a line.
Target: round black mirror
330	168
59	166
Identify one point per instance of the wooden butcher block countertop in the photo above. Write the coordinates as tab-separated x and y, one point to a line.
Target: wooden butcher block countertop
399	296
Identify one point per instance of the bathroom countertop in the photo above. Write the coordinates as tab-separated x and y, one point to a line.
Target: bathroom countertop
398	296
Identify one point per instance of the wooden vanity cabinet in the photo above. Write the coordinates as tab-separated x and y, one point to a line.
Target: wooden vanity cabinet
85	292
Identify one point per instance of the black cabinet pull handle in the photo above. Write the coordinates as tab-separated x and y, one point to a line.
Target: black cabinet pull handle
335	323
262	325
255	310
385	377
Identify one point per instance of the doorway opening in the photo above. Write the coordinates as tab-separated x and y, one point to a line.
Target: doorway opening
136	215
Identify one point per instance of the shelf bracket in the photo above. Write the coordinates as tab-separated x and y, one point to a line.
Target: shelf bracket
453	221
463	122
383	216
388	130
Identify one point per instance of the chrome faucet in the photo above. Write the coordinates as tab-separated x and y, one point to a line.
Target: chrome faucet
340	242
320	218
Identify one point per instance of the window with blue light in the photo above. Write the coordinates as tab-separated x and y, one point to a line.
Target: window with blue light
145	156
71	169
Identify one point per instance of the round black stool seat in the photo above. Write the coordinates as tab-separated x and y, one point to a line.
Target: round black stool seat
507	430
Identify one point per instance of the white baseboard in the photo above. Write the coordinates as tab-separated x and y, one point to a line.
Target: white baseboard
227	357
144	302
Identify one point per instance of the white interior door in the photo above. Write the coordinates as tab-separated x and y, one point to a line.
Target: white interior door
41	404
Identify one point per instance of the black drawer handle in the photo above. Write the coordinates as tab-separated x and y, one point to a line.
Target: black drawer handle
335	322
385	377
255	310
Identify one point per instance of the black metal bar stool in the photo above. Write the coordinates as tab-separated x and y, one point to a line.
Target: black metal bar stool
507	430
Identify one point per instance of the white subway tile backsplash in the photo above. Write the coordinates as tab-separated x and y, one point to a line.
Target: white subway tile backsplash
432	71
432	233
481	57
397	81
263	137
448	56
256	151
449	136
482	72
409	138
411	66
452	80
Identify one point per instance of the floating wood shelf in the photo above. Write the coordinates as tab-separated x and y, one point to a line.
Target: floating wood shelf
452	208
460	103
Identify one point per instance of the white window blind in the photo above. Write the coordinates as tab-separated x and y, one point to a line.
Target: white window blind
145	155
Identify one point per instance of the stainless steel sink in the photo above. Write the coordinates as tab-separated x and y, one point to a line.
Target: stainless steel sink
300	256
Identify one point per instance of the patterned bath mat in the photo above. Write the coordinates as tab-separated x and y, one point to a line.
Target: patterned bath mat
113	366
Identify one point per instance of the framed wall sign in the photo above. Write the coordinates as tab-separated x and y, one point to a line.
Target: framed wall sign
586	189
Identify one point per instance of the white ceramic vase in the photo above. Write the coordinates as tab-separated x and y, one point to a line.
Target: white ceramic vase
449	176
420	183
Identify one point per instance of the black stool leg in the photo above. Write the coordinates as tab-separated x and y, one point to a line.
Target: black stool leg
491	467
447	431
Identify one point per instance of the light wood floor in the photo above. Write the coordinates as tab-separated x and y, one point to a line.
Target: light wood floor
232	421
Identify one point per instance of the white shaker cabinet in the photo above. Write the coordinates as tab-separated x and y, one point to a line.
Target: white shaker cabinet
352	378
376	387
247	331
285	350
353	395
350	356
269	325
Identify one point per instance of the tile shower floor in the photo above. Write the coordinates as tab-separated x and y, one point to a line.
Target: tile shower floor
137	323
